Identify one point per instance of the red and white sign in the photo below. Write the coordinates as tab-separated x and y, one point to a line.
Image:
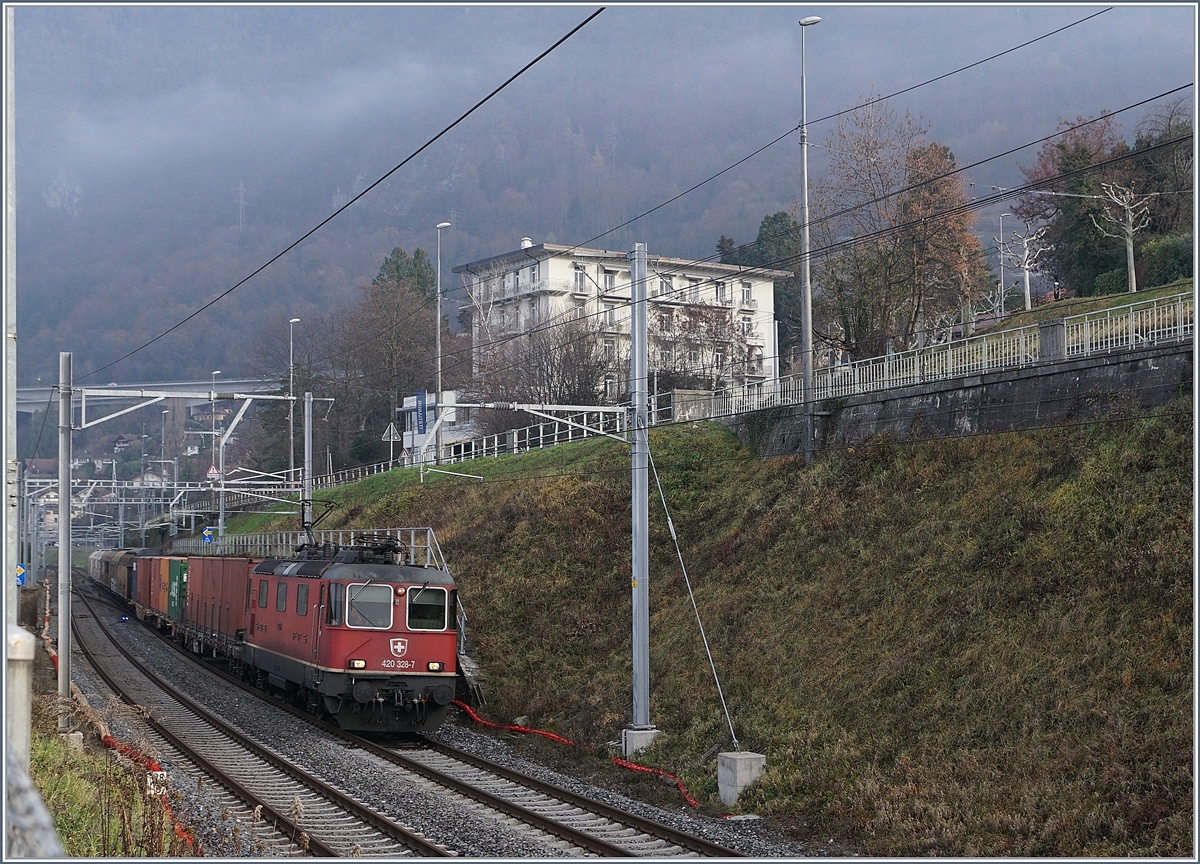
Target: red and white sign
213	473
399	647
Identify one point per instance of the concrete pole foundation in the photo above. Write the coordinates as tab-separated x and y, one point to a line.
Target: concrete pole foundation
736	771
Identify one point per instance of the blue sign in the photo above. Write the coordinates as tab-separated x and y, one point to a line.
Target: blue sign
20	574
206	535
420	412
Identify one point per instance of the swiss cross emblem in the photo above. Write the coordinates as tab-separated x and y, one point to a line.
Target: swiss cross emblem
399	646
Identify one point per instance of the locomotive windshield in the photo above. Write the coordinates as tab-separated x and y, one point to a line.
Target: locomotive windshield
369	606
427	608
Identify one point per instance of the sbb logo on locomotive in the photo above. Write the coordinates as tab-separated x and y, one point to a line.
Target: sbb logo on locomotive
399	647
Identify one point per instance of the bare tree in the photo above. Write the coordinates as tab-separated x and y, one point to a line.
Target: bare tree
1032	246
1128	214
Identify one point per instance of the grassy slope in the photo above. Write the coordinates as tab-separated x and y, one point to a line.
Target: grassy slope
1080	305
958	647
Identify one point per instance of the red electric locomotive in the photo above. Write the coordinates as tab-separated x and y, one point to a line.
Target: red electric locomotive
358	632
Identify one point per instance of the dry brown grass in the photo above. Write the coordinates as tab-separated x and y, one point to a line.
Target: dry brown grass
976	647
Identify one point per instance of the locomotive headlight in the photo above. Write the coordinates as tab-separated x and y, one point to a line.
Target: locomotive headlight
358	664
435	666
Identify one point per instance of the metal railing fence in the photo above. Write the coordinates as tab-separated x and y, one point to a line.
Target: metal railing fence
419	545
1148	322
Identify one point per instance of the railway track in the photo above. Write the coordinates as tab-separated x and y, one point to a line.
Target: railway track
581	824
312	814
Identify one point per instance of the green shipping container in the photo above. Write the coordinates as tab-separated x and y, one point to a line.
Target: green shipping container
177	593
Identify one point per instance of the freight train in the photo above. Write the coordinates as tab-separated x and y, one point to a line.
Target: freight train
366	634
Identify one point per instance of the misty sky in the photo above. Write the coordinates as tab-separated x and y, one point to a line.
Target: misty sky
135	127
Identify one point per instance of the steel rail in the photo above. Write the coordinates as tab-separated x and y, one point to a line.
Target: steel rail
662	832
655	829
316	847
355	808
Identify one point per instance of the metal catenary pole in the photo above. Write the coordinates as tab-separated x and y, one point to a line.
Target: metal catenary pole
64	538
10	326
641	493
806	322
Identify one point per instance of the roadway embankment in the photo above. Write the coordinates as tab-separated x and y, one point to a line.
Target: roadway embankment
978	646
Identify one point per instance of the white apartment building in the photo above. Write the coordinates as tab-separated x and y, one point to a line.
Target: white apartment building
715	321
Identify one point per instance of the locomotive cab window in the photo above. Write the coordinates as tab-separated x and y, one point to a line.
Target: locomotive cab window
281	596
301	599
427	608
337	604
369	606
262	593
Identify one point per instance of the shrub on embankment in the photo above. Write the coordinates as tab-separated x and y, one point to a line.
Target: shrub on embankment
964	647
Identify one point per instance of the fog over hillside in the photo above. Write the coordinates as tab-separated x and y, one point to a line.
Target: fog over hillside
136	127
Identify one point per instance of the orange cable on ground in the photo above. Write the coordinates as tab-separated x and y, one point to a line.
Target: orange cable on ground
624	763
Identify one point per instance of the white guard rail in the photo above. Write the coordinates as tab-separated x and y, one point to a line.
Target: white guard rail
1150	322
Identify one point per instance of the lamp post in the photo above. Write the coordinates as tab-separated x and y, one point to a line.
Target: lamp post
1000	249
291	406
437	348
806	322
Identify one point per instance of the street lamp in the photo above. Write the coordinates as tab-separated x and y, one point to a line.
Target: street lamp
291	406
806	322
1001	251
437	347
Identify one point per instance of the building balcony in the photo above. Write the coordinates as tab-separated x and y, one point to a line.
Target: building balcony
749	304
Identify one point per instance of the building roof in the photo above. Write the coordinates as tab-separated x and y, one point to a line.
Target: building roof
542	251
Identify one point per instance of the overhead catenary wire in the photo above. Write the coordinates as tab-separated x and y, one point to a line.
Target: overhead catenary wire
571	316
609	231
869	102
354	199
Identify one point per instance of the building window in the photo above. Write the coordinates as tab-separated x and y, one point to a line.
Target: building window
610	387
666	286
610	280
747	292
666	357
694	290
719	359
608	318
510	282
610	350
533	273
722	292
580	279
694	358
666	321
747	325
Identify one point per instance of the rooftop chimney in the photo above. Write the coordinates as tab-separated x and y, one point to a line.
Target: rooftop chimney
526	242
